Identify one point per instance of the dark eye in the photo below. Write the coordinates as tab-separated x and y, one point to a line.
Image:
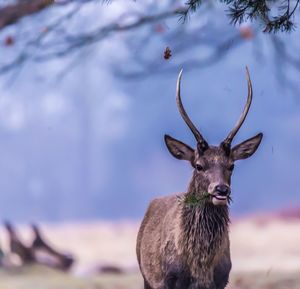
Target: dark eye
231	167
199	167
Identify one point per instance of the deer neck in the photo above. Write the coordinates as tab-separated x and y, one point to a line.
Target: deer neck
204	229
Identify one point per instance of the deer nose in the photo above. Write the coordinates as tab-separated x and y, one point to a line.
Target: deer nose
223	190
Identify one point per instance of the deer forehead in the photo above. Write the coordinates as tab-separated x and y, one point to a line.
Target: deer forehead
213	155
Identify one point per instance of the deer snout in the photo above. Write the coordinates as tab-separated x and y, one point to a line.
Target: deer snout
223	190
221	194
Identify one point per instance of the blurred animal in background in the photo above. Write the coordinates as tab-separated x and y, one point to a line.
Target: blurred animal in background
39	252
17	247
183	240
46	254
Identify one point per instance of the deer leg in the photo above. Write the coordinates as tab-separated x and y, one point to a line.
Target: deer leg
146	285
183	282
221	273
177	278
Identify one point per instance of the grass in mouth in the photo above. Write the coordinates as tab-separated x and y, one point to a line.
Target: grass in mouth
194	200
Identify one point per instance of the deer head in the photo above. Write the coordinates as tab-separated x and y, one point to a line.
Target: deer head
213	165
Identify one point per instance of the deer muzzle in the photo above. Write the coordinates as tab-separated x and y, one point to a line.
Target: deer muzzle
220	195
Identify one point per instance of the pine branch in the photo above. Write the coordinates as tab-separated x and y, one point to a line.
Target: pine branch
240	11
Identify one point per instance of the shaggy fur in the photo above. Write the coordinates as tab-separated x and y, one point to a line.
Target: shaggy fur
204	232
184	246
193	253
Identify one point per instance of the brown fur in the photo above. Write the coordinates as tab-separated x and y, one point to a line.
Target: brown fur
174	237
204	239
183	242
182	246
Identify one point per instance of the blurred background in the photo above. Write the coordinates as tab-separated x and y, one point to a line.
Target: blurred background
87	92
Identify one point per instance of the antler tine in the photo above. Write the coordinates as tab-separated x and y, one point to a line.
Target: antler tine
227	142
202	144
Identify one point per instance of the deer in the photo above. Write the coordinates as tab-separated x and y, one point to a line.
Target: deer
183	240
45	254
17	246
39	252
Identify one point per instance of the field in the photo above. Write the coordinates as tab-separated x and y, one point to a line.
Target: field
265	255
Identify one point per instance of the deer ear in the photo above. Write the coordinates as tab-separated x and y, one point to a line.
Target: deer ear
247	148
179	149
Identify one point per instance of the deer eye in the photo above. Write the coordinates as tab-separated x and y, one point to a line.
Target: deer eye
231	167
199	167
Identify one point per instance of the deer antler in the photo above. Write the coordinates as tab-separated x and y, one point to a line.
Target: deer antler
61	260
202	144
16	245
227	142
